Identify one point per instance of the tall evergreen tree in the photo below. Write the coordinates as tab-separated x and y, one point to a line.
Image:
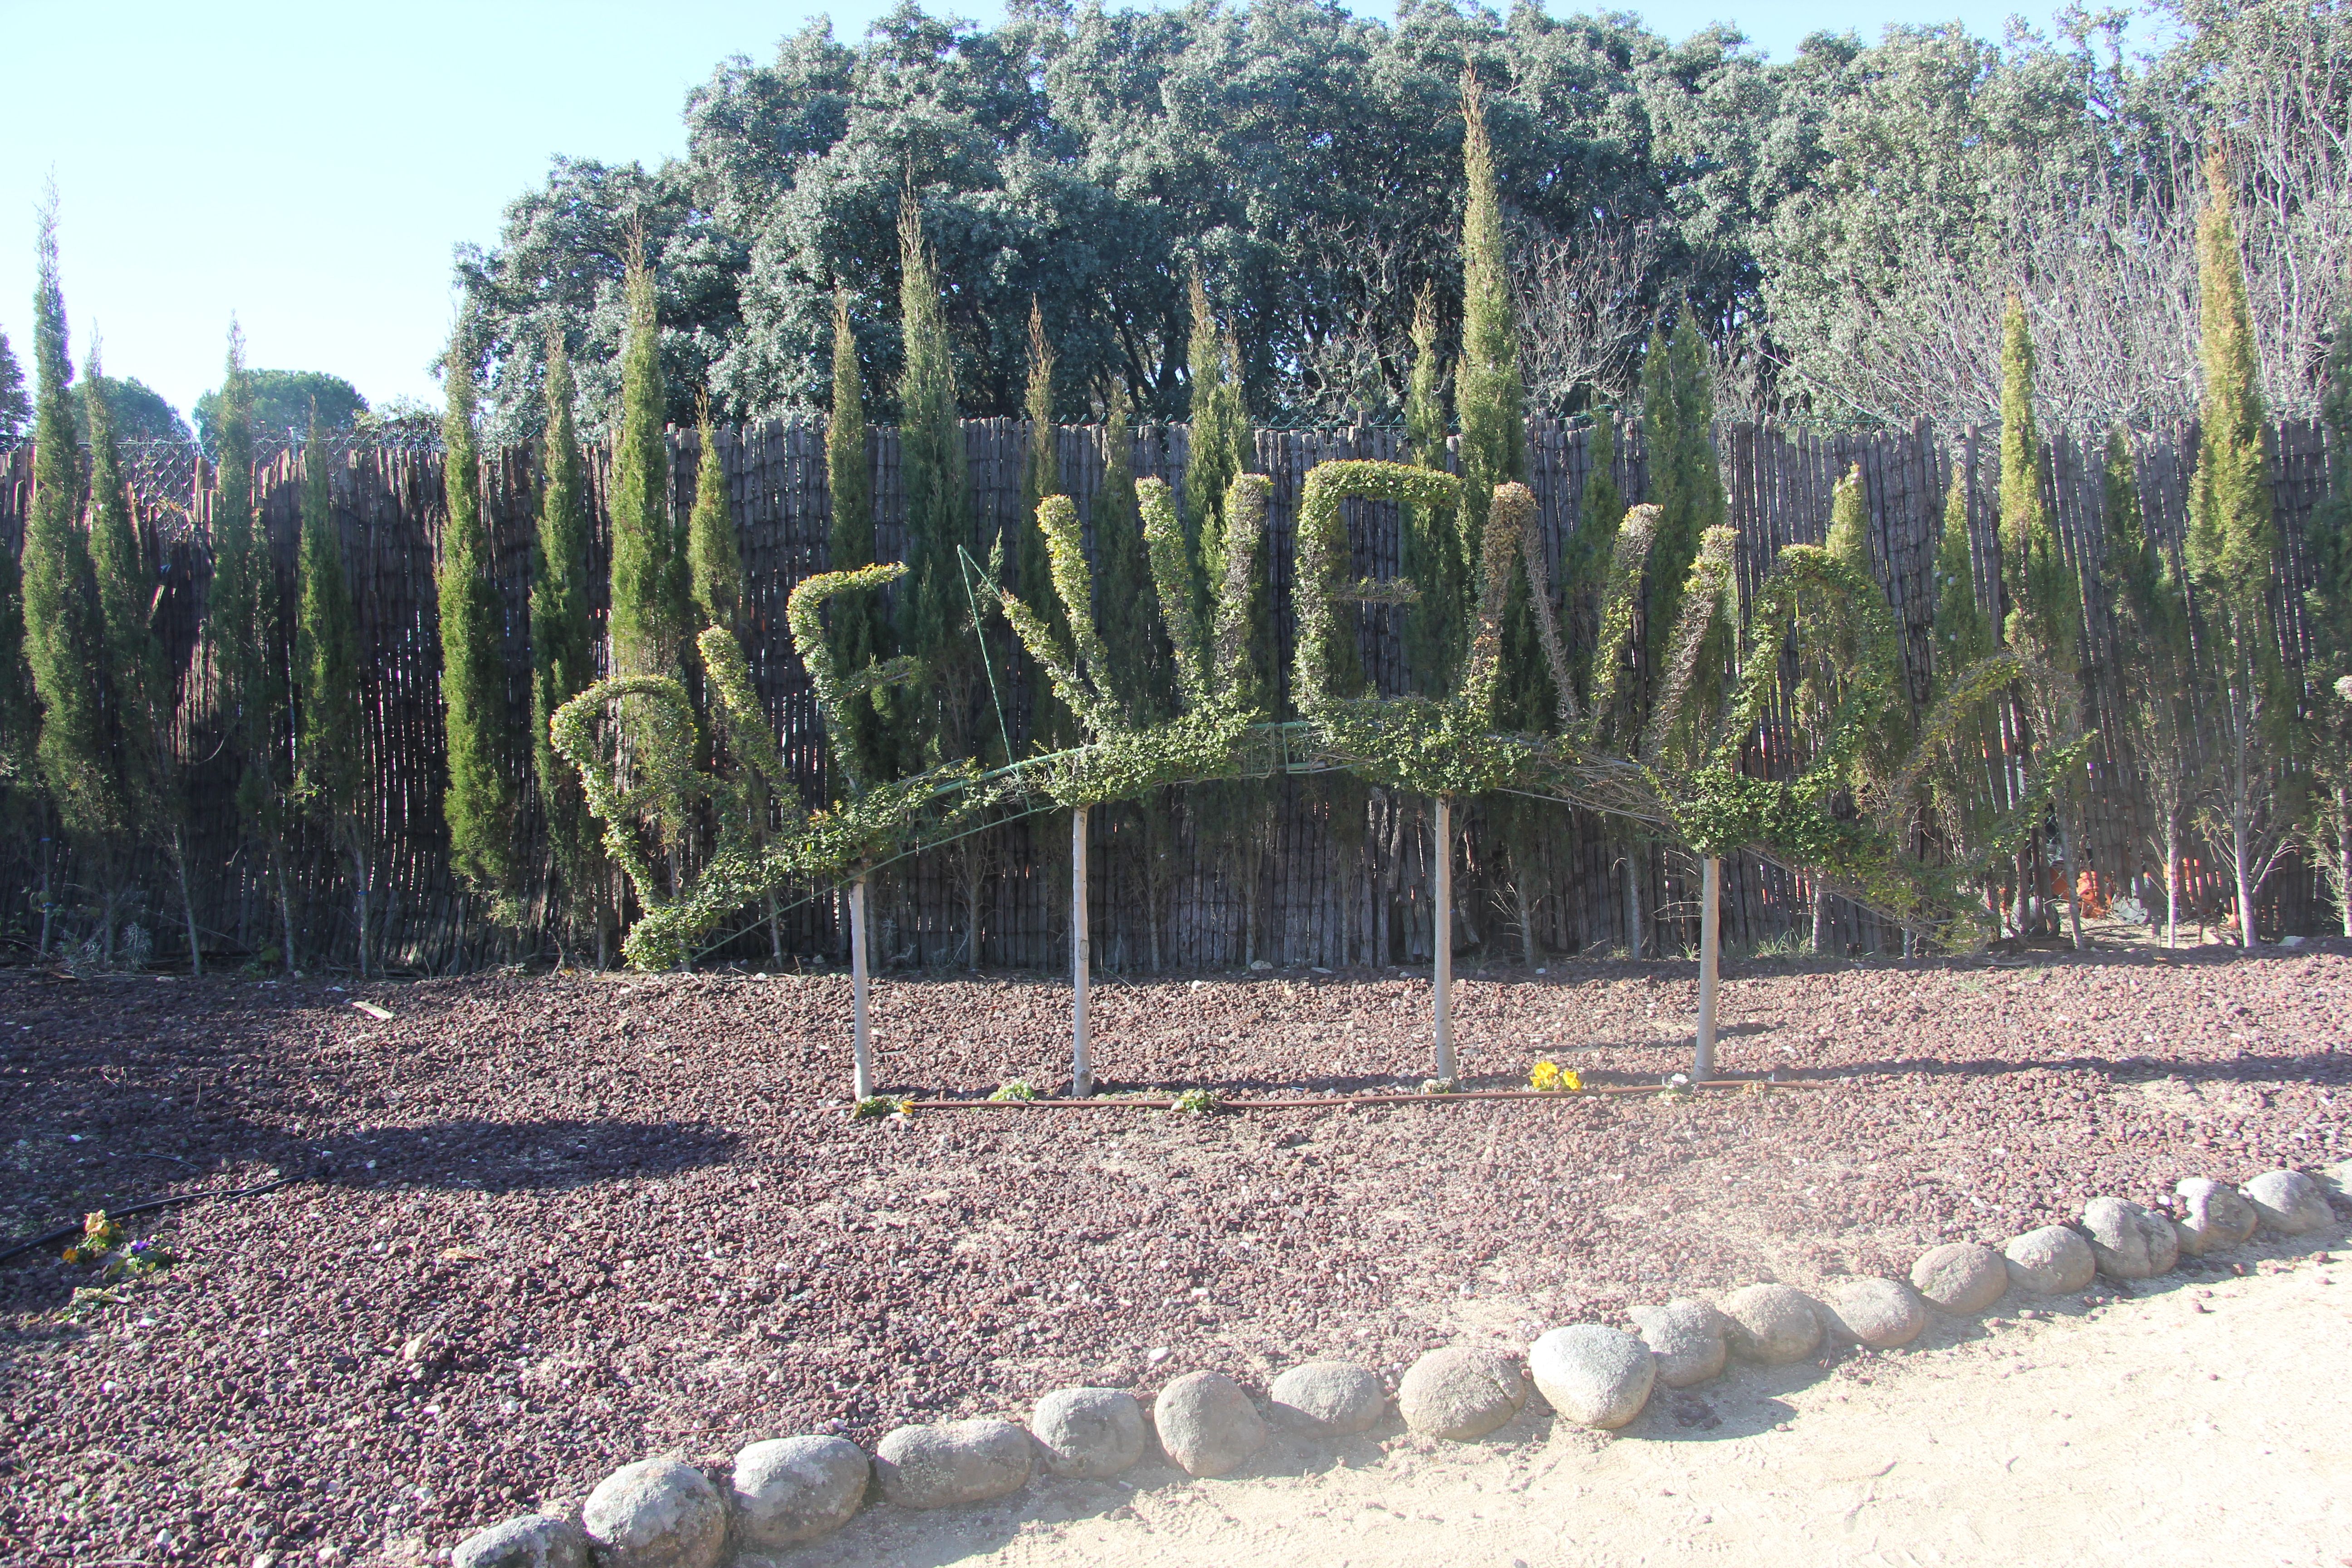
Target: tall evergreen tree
564	656
857	625
1962	637
1141	660
648	614
479	804
1051	726
1436	628
934	613
154	781
1598	511
714	557
1489	395
2044	624
1686	484
2327	610
1219	437
331	768
243	622
2152	645
2231	547
16	408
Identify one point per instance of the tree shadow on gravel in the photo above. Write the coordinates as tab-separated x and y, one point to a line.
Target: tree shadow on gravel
2320	1066
513	1156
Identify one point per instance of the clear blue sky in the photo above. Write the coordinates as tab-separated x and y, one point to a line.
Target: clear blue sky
308	166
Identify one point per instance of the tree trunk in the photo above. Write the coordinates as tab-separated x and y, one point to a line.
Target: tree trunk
1081	1081
775	934
1821	919
285	906
188	904
2344	855
2172	880
1710	933
48	905
1442	934
1632	899
2074	881
860	1044
359	885
2241	832
1526	913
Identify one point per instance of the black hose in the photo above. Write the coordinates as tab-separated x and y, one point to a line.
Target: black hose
51	1237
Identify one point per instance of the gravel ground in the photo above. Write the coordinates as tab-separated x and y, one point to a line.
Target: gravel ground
547	1226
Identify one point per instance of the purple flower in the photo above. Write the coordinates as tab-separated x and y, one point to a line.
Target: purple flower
137	1247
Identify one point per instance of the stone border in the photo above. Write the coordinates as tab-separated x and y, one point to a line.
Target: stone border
667	1513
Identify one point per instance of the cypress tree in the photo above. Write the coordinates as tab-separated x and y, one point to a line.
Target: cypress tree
1686	485
1050	724
1219	449
2231	545
330	760
1437	628
1962	637
135	673
2152	644
242	622
1598	511
714	559
480	802
1143	665
934	616
857	625
563	652
2327	610
648	612
16	408
1490	398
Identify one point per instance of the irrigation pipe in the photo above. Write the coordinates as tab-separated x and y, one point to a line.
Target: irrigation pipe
1321	1102
63	1232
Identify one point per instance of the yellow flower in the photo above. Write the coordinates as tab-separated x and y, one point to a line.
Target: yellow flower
1546	1076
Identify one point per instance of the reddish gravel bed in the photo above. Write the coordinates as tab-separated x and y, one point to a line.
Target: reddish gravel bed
552	1225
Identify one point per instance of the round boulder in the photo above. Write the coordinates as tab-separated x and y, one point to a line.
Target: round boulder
1963	1278
2289	1202
1089	1433
2052	1261
2130	1242
656	1513
951	1462
1208	1423
1879	1313
791	1489
1462	1392
1771	1323
1685	1336
2212	1215
1330	1397
1594	1376
529	1541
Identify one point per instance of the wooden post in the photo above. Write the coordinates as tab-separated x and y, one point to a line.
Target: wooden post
1081	1081
1441	935
861	1044
1710	959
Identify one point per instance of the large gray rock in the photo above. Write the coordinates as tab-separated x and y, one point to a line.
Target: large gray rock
2130	1242
1089	1433
796	1488
1595	1376
1330	1397
1771	1323
529	1541
1208	1423
2212	1215
951	1462
1963	1278
656	1514
1462	1392
1685	1336
1879	1313
2289	1202
2052	1261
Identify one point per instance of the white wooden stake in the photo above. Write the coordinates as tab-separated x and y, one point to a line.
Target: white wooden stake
1081	1081
1442	939
861	1044
1710	933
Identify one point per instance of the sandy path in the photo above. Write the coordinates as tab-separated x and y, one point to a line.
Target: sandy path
2147	1432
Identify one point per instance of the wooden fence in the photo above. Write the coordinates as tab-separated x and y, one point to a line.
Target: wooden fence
1300	870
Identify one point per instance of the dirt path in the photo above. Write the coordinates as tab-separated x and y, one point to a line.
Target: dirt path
2148	1432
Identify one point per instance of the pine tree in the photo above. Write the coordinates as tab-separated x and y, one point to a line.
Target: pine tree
330	757
1051	726
242	622
1436	628
857	625
648	614
2152	646
479	804
563	653
2231	545
934	621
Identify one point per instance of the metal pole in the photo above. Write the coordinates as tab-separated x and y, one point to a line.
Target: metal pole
861	1043
1081	1081
1710	933
1442	938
